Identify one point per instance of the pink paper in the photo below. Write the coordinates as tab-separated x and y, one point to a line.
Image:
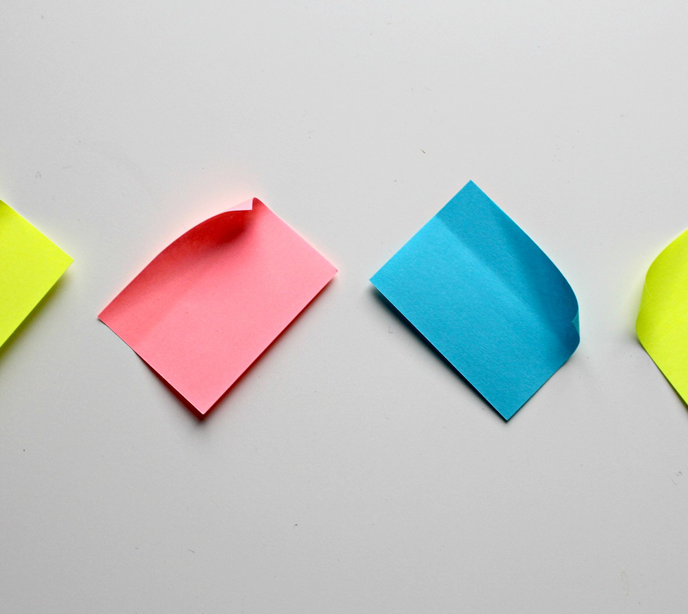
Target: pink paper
209	304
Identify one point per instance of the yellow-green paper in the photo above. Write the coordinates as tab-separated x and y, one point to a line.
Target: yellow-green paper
662	324
30	264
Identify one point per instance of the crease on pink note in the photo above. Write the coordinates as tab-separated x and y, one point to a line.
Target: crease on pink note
211	302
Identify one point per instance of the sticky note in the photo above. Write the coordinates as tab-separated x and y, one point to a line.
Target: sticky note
30	264
480	291
211	303
662	324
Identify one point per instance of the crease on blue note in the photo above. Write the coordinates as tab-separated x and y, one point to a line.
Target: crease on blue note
486	297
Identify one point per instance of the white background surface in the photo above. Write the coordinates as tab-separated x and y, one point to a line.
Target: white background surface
350	470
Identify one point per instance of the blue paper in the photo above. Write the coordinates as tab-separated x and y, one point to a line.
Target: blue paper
486	297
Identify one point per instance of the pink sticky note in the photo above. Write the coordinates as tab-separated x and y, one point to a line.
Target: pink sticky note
209	304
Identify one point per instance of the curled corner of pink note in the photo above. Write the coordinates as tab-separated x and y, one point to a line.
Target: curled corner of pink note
247	205
211	302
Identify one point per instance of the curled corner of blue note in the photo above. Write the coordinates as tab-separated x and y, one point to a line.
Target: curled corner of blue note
486	297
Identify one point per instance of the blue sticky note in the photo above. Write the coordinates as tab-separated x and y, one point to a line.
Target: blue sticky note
486	297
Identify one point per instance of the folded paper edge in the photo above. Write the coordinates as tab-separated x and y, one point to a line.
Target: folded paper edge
575	319
246	205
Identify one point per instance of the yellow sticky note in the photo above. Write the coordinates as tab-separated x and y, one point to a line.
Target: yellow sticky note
662	324
30	264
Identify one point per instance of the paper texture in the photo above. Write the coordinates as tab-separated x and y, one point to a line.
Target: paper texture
30	264
662	324
209	304
486	297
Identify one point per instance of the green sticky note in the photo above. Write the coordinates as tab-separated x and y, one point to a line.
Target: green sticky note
662	324
30	264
